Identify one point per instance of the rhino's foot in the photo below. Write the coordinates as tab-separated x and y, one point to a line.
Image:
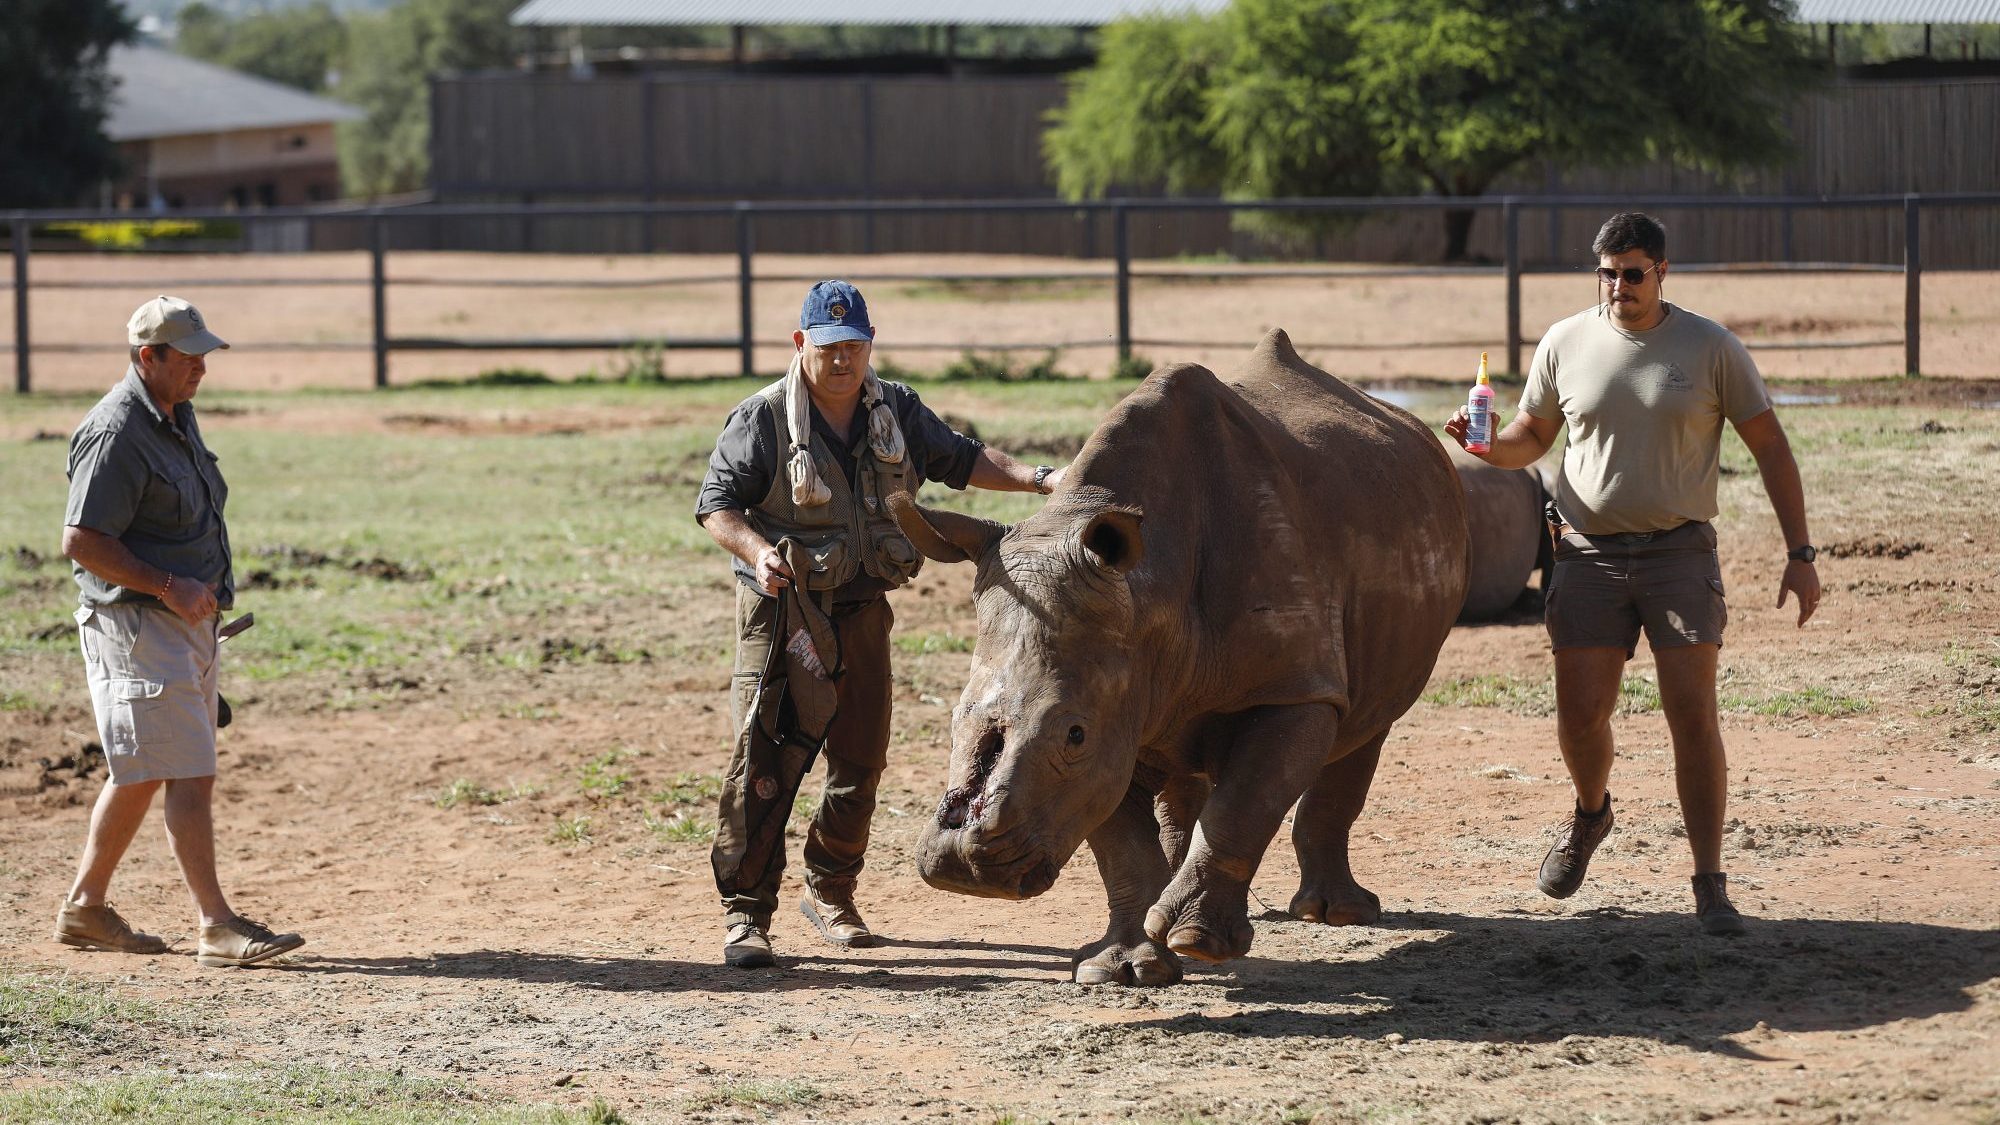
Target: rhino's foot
1350	905
1114	962
1205	935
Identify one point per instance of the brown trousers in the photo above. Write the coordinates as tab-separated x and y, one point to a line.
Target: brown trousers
857	746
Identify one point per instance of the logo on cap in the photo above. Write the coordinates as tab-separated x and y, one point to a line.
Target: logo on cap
837	312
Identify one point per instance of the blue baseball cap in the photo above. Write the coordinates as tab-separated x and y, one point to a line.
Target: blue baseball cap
834	311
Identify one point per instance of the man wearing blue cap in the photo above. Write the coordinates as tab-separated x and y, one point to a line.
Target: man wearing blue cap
809	459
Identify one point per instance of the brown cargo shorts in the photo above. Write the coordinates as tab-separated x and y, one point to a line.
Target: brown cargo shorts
1608	588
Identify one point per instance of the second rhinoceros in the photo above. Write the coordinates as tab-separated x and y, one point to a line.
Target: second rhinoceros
1510	537
1237	589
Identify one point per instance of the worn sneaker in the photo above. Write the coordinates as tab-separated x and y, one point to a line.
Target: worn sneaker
100	927
747	947
1563	868
240	942
832	913
1712	907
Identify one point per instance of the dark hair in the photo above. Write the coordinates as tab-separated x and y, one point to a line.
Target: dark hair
1631	230
136	347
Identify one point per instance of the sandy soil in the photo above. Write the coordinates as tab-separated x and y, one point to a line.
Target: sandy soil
304	320
462	941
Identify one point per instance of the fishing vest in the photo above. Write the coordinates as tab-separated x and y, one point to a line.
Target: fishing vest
853	532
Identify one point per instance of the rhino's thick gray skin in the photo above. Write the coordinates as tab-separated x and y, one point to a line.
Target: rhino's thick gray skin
1236	590
1510	535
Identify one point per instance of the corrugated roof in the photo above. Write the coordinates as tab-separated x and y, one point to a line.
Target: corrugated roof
164	94
1898	11
766	13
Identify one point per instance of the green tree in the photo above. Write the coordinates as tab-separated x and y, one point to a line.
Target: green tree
298	46
54	92
390	59
1346	97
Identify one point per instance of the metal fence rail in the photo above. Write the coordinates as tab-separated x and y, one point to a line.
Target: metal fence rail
1120	276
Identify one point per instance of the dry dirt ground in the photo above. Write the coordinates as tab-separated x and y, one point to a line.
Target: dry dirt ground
1359	325
470	941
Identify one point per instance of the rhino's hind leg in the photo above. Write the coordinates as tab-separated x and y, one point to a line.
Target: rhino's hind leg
1276	753
1127	848
1327	890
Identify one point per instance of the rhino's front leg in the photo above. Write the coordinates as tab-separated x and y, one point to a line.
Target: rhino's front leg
1127	847
1275	753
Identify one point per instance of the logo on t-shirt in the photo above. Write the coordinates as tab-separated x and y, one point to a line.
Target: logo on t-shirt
1677	379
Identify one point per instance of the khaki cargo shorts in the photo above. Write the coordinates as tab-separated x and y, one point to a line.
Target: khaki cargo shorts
152	683
1607	588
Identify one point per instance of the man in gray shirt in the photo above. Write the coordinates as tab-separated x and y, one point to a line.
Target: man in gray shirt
144	529
1645	387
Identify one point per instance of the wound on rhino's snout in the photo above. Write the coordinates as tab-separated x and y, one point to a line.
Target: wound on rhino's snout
967	803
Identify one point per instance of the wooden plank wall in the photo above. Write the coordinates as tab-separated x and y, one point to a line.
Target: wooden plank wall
514	138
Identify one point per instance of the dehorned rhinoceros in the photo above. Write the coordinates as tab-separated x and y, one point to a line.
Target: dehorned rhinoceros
1236	590
1510	536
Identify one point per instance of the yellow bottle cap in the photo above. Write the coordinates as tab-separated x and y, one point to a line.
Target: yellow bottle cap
1483	381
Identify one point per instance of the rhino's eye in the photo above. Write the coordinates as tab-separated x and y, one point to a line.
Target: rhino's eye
1076	736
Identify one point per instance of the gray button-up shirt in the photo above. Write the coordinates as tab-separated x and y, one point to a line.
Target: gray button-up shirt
150	482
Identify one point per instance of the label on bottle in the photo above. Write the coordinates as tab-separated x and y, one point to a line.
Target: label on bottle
1478	424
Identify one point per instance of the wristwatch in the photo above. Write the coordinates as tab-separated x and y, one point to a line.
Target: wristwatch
1803	554
1042	478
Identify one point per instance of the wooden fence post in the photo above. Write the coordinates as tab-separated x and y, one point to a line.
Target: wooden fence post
378	286
1510	217
745	249
23	229
1121	244
1913	285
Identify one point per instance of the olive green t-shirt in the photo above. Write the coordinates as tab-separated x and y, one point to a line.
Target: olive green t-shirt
1645	413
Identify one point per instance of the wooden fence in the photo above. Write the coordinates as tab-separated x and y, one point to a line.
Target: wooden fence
660	138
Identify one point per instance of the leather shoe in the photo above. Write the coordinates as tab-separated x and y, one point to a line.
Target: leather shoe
1564	867
747	947
832	913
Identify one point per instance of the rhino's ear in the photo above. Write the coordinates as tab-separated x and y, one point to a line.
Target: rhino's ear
1112	540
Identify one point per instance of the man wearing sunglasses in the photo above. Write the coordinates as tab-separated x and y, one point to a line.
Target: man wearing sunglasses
1644	387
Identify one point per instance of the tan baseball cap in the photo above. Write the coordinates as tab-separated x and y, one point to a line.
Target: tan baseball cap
170	320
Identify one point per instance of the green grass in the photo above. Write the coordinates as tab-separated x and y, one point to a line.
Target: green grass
689	789
779	1094
680	828
933	642
1513	694
601	778
1811	702
464	791
1637	695
299	1093
570	831
48	1019
406	547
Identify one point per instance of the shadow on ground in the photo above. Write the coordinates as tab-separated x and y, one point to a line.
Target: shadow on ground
1614	973
1495	979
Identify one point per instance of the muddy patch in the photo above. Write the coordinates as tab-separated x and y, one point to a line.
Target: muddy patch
1873	547
306	559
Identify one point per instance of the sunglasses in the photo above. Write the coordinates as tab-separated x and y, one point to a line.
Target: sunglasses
1631	275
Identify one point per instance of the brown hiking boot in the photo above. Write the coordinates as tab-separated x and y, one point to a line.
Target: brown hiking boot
100	927
1712	907
240	942
831	911
745	946
1564	866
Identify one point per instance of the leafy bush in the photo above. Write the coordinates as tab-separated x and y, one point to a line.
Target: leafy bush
1132	367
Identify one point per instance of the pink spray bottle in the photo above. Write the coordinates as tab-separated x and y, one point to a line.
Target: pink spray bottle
1479	413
